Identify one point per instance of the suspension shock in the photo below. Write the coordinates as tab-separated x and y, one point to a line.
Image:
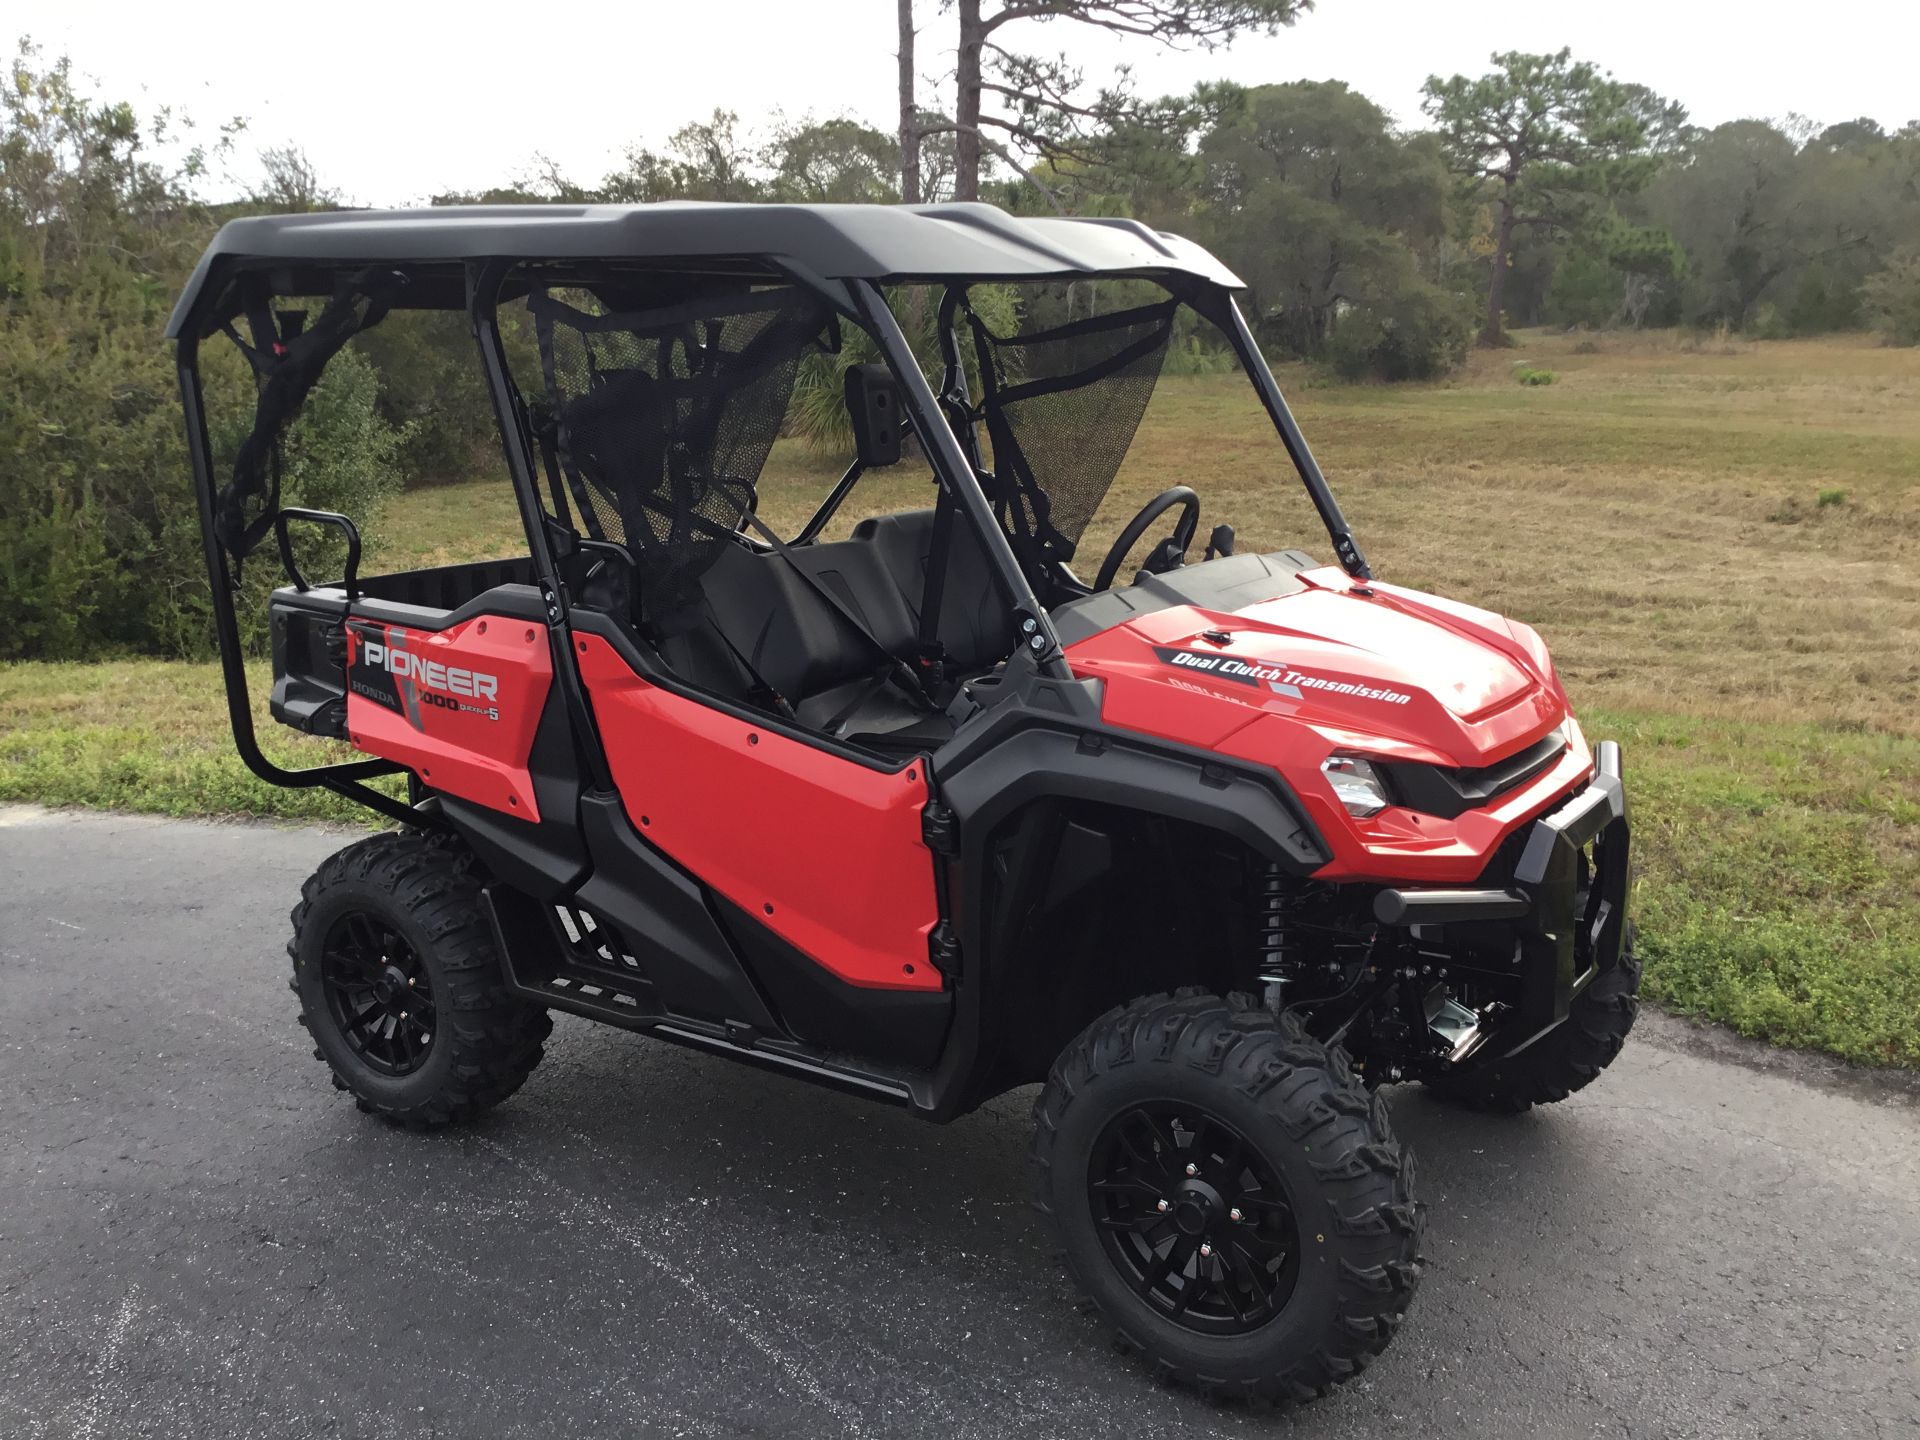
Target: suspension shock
1276	903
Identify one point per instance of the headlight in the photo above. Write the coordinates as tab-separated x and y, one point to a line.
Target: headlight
1356	784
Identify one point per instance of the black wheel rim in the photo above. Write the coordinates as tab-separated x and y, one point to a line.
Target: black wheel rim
1196	1220
378	994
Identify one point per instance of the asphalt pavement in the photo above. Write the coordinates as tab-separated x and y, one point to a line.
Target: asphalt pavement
200	1238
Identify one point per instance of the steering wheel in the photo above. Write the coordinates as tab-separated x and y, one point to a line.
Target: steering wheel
1181	540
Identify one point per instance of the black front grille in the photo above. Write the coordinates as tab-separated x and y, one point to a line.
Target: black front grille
1447	792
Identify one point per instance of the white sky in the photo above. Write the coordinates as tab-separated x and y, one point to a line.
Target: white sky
396	101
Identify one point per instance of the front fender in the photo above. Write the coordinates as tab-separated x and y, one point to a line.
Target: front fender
1045	760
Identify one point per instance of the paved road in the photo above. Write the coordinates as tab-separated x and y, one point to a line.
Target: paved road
199	1238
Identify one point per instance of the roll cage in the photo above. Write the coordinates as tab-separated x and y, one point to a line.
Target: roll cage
474	259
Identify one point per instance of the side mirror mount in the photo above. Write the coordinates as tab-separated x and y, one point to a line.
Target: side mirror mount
873	404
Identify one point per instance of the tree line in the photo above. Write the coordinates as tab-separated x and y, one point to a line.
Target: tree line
1543	191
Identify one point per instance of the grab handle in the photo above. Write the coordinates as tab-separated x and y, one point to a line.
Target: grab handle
351	582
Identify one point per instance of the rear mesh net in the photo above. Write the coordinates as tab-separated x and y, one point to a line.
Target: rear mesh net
1061	407
664	419
288	354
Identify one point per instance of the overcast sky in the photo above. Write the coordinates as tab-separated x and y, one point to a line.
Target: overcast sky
396	101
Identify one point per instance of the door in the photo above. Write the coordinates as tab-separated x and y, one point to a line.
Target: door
822	850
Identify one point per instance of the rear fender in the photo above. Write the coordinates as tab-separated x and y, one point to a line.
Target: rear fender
457	705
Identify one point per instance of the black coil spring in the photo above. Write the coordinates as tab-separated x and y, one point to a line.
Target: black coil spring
1276	911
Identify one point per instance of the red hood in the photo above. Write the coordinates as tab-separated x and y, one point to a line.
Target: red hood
1392	672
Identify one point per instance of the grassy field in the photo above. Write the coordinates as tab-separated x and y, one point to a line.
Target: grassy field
1721	541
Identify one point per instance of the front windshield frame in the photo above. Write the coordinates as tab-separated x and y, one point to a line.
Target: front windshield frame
951	442
958	393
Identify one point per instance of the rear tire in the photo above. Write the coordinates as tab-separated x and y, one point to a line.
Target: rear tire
1268	1151
1567	1058
400	984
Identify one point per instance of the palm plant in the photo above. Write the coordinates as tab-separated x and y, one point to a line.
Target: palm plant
817	414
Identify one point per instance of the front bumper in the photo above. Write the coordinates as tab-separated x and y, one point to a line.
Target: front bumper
1567	902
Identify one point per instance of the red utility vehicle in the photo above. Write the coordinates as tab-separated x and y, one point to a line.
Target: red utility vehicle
1210	853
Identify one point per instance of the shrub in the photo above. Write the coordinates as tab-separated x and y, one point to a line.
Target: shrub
1893	297
100	546
340	455
1420	334
1529	375
431	387
817	413
1193	355
99	538
1823	302
1585	290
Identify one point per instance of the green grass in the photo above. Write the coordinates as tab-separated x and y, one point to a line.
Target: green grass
149	736
1778	869
1660	512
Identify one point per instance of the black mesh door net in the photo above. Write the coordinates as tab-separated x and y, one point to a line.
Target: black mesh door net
664	419
1062	406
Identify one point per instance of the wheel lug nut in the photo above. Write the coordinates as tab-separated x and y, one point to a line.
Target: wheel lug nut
1161	1206
1193	1169
1234	1214
1206	1249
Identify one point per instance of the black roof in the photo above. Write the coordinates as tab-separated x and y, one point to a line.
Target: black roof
834	242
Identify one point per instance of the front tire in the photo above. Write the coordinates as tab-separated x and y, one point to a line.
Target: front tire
1229	1195
1567	1058
400	984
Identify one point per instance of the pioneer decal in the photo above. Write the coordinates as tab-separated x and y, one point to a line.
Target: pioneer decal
405	681
1280	679
450	679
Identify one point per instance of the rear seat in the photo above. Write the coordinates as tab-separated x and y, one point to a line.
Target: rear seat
796	641
804	649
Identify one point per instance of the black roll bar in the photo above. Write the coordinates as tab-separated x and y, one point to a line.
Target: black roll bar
344	778
932	417
958	477
1228	317
484	281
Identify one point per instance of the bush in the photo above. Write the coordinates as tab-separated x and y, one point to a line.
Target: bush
1823	302
100	546
1529	375
1422	333
1197	348
1585	290
431	387
1893	297
340	455
817	413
